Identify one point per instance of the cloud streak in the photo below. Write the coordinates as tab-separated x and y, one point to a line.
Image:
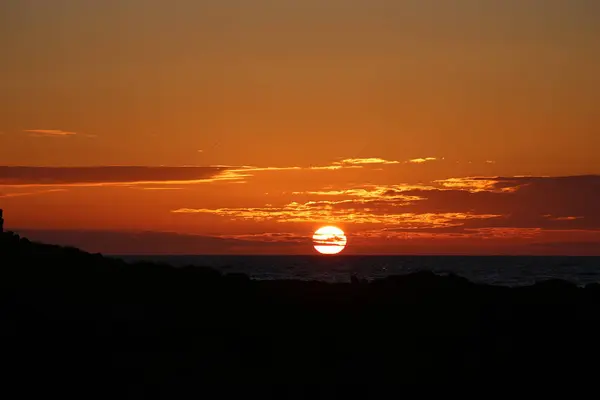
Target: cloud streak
365	161
344	211
111	176
50	132
454	205
126	175
484	215
21	194
421	160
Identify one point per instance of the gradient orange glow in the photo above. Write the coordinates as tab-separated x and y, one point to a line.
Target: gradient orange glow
238	127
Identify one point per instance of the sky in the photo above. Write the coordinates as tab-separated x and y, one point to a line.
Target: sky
240	127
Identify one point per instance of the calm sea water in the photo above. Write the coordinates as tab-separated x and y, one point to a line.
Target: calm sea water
510	271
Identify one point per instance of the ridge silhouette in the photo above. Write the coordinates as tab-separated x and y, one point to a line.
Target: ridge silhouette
69	318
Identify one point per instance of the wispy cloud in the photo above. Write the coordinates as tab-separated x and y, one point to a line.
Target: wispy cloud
345	211
491	212
386	192
333	167
138	175
350	163
473	184
259	169
564	218
470	234
483	184
457	205
158	188
281	237
112	176
550	203
421	160
364	161
50	132
30	193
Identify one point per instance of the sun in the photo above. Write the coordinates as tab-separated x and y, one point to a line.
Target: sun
329	240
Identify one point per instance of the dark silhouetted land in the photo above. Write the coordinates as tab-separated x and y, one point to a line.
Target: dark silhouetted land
72	319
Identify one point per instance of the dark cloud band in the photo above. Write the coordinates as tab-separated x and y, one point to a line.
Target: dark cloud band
105	175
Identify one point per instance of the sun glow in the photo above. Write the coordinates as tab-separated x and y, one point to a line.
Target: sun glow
329	240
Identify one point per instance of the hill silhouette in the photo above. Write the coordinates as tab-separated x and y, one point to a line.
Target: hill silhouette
71	318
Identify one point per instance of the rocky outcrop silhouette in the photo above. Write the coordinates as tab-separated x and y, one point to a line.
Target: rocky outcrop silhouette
70	318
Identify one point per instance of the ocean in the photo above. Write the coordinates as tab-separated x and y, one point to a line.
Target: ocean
496	270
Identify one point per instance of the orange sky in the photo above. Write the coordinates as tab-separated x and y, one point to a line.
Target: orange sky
320	110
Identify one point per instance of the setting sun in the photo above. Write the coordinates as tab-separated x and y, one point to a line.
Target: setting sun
329	240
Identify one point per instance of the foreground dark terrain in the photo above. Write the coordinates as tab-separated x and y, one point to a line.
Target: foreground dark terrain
70	318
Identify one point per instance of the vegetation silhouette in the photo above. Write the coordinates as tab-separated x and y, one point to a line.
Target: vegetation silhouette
71	318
